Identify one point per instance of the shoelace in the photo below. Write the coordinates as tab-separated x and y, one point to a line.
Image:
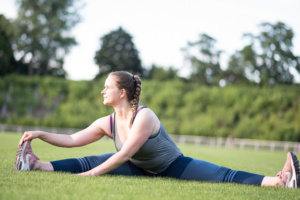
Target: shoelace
19	150
279	174
31	153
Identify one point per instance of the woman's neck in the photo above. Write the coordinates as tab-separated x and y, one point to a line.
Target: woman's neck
123	111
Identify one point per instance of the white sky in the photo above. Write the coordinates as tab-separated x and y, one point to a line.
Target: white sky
160	28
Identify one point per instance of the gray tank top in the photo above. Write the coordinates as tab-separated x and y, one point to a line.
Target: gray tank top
156	154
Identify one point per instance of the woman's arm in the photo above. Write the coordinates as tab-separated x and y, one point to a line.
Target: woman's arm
94	132
140	132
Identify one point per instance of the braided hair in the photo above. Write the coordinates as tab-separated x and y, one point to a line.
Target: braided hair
132	84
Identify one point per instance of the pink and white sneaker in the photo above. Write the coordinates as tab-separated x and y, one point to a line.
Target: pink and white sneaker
25	158
289	175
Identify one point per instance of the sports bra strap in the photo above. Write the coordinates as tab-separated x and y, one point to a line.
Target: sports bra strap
111	124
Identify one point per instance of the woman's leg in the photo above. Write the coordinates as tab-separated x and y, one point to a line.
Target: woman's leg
78	165
43	166
194	169
272	181
26	160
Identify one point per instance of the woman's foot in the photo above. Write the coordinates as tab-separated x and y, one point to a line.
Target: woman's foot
25	158
289	175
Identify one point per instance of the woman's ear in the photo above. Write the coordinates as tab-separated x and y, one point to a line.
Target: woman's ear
123	93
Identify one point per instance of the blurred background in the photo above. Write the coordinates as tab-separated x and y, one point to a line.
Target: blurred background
209	68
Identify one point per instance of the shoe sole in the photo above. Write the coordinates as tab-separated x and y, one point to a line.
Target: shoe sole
296	171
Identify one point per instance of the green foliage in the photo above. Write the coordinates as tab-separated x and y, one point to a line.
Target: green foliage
205	64
271	113
236	70
161	74
117	53
270	54
7	59
42	34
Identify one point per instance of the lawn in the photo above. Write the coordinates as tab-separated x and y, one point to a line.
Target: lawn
46	185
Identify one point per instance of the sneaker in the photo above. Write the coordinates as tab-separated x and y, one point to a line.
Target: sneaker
289	175
25	158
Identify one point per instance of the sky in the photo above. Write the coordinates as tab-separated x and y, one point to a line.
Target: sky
160	28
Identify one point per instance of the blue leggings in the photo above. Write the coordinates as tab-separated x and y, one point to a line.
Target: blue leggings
182	168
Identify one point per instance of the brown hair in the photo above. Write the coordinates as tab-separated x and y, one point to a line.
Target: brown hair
132	85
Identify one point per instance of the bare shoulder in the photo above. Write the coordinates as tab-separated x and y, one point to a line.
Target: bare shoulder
103	124
147	112
146	115
147	120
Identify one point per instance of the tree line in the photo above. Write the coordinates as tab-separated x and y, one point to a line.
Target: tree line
242	111
37	41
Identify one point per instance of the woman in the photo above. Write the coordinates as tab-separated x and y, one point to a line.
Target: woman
142	143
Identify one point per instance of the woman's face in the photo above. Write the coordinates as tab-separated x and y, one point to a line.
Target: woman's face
111	93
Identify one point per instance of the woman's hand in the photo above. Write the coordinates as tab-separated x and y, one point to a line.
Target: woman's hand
29	135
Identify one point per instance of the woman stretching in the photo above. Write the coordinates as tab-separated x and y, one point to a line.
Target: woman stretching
143	146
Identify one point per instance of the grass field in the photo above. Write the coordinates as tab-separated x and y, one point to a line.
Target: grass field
46	185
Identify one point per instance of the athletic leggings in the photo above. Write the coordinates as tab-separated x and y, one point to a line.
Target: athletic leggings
185	168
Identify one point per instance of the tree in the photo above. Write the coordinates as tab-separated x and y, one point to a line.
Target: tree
118	52
237	69
7	59
205	63
8	62
270	54
161	74
43	34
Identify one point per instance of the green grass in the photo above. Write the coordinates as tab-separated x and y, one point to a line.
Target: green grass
47	185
